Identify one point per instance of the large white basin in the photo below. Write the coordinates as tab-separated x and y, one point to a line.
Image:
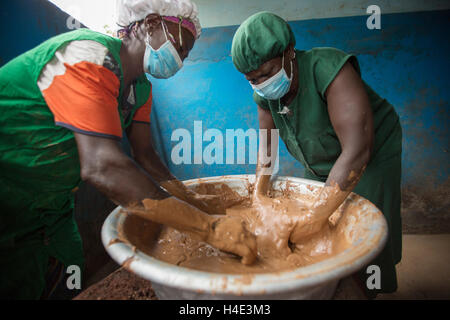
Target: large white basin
366	231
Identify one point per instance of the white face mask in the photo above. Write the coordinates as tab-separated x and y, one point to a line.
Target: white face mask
164	62
275	87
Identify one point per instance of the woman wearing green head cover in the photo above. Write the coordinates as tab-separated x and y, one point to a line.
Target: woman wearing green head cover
331	121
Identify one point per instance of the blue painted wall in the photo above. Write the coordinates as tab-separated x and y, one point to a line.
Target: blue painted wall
406	62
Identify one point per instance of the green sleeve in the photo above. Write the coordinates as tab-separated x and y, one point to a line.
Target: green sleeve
260	101
327	64
143	90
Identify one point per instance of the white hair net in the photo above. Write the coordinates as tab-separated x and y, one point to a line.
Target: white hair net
129	11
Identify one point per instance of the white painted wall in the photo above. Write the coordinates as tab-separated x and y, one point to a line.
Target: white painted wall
95	14
213	13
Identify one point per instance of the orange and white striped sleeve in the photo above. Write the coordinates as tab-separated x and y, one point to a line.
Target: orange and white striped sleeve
80	86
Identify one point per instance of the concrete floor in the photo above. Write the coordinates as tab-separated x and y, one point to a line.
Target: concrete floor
424	272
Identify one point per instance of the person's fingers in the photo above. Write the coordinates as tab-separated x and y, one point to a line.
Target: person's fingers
229	234
248	255
211	204
302	232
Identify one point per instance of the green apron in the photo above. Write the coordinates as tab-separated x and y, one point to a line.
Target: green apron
310	138
39	170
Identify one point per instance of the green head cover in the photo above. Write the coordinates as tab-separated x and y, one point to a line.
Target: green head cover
260	38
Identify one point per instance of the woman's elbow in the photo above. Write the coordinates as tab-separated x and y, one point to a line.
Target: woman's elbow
92	172
358	156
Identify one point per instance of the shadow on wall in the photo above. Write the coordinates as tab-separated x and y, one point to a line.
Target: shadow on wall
27	23
406	62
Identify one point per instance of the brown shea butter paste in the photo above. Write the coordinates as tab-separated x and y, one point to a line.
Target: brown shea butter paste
271	224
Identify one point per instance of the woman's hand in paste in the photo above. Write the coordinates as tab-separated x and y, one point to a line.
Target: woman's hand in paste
208	203
306	226
215	204
325	204
229	234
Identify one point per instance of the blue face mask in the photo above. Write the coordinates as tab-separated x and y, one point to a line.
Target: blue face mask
164	62
275	87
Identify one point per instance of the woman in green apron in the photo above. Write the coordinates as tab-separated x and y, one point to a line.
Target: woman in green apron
342	132
63	108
